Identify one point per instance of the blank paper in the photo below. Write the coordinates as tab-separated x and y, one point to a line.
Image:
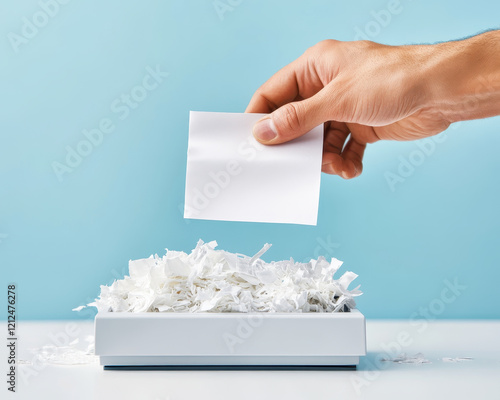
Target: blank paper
232	177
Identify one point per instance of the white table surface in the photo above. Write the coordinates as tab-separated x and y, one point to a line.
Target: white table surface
478	378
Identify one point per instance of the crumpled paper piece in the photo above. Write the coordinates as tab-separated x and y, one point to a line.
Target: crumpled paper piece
209	280
64	355
405	359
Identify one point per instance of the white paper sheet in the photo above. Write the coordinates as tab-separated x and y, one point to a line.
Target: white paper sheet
232	177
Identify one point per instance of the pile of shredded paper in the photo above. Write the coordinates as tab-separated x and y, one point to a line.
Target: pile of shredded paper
209	280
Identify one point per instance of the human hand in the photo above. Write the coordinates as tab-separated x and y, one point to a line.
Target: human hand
363	92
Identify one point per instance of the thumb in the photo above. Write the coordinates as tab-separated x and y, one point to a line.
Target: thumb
291	120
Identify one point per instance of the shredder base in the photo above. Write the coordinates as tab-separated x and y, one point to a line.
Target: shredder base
230	340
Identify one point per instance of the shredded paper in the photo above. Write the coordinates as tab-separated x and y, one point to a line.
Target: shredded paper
72	354
209	280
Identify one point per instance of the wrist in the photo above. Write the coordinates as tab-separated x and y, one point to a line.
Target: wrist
462	78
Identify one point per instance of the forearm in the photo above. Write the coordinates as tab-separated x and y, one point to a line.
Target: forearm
463	77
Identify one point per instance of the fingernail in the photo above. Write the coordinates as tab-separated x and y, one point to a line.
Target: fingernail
264	130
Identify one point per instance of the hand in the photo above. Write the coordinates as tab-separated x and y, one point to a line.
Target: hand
363	92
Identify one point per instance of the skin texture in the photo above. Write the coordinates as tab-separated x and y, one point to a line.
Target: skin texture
365	92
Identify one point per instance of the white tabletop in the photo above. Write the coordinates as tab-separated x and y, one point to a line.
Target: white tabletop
477	378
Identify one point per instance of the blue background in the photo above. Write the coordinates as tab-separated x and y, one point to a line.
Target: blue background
60	240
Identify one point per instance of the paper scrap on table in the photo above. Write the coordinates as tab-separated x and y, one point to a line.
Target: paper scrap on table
232	177
456	359
403	358
74	353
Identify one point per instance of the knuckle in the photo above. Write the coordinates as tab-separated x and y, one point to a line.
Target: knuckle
260	91
263	94
326	44
291	120
322	46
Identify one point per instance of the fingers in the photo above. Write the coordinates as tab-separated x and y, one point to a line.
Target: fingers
291	120
280	89
353	158
341	158
283	95
284	86
335	136
298	102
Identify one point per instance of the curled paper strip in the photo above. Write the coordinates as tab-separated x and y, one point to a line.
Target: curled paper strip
456	359
209	280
